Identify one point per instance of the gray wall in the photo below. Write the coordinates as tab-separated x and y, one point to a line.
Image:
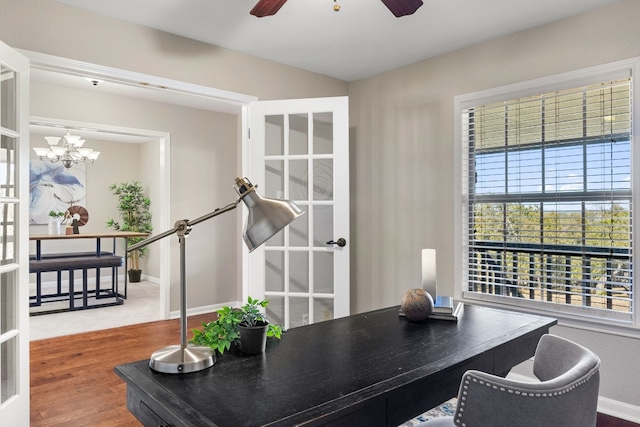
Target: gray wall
402	150
401	134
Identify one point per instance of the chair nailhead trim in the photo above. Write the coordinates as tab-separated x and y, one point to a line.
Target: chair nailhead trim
465	387
518	392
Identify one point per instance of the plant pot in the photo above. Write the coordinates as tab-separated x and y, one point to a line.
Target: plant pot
134	275
253	339
54	226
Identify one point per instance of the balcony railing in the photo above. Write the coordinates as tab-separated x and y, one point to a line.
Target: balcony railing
598	277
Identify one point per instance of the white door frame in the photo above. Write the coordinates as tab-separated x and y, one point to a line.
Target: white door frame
170	91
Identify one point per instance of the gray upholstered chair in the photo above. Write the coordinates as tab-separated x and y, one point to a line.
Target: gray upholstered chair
565	396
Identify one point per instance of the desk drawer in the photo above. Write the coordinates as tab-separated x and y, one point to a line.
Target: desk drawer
151	413
144	413
148	415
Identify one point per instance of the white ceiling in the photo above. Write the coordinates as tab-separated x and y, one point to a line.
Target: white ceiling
361	40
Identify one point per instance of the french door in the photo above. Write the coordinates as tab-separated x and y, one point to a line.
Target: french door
14	251
299	150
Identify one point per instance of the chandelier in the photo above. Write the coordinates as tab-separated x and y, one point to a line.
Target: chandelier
68	150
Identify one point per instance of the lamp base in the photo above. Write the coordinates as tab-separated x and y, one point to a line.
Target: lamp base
176	359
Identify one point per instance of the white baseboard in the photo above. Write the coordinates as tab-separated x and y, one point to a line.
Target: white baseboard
618	409
204	309
615	408
154	280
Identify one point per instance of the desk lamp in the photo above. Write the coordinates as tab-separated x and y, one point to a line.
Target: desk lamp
266	218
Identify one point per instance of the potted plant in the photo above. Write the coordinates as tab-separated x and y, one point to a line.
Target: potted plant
246	327
134	209
55	219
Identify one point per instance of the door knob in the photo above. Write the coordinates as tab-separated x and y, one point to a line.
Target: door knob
340	242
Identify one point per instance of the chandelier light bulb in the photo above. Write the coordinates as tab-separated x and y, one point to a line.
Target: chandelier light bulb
41	152
84	152
71	139
52	140
59	151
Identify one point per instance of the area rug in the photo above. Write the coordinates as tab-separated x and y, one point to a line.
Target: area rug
446	409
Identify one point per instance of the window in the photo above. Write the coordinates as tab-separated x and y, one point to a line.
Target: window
547	196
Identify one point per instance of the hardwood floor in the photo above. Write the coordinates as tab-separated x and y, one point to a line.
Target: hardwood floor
609	421
72	377
73	383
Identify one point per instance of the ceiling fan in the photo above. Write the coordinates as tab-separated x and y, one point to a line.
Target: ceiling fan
397	7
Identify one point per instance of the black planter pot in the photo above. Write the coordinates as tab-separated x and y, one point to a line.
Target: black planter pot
253	340
134	275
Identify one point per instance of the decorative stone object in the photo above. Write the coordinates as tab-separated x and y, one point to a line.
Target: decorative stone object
417	305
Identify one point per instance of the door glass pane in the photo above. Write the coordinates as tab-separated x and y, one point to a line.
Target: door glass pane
298	311
8	85
323	272
322	309
277	239
7	237
274	176
323	179
323	133
298	134
7	166
298	272
322	225
8	369
8	302
274	271
275	310
274	135
299	230
299	179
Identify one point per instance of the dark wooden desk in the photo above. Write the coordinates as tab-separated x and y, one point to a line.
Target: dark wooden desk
371	369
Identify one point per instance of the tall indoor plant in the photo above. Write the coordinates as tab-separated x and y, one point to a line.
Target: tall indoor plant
134	208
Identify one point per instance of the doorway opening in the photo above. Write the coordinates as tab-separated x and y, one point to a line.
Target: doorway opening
68	73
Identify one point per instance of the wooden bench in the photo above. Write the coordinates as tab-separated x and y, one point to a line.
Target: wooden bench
71	262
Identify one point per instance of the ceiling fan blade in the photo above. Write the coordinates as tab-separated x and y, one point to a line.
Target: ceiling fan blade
402	7
267	7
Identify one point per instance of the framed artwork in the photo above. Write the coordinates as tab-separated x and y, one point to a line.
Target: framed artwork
52	187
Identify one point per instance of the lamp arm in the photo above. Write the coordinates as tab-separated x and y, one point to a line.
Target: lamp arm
184	226
229	207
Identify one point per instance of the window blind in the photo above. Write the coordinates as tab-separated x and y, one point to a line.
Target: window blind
549	209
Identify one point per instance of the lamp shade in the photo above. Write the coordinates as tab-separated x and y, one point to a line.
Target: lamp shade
266	216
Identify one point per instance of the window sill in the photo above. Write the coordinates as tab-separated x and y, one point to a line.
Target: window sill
566	320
